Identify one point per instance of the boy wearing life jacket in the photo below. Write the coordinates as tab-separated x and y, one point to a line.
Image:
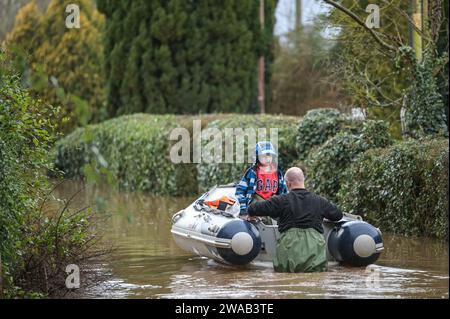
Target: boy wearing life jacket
262	180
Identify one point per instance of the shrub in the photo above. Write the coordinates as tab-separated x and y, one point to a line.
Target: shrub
402	188
70	59
210	174
25	137
316	127
35	242
326	164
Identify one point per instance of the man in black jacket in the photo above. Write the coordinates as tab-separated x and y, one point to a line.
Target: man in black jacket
301	247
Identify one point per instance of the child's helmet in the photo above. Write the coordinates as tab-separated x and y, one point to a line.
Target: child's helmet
265	147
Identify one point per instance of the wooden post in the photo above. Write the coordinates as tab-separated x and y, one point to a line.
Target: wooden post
261	65
416	37
298	14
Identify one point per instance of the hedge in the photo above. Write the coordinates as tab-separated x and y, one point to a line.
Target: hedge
326	164
37	240
316	128
402	188
135	149
210	174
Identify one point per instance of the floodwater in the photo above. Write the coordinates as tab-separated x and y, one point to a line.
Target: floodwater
146	263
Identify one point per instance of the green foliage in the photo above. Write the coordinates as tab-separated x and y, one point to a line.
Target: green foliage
26	134
402	188
316	127
36	244
425	113
133	149
136	151
367	72
62	65
184	56
327	164
49	242
210	174
384	78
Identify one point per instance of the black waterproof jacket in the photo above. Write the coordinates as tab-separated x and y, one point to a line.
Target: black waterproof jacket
299	208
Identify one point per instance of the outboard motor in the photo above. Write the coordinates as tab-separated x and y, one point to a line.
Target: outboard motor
245	242
355	243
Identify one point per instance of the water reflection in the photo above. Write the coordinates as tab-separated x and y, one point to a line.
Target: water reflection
146	262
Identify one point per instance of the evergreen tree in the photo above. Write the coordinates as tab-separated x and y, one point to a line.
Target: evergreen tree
24	33
182	56
9	10
70	59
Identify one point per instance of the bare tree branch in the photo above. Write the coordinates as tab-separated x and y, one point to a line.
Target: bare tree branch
361	23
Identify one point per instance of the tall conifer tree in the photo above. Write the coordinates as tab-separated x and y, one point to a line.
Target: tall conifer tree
181	56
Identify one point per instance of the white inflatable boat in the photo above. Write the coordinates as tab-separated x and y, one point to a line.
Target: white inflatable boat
219	233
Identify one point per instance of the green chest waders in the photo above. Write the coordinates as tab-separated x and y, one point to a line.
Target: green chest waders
300	250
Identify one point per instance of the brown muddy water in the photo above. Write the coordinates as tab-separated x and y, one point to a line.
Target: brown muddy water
146	263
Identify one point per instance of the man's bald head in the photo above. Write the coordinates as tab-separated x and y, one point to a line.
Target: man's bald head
294	178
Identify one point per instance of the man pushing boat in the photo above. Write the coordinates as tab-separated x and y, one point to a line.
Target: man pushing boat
301	247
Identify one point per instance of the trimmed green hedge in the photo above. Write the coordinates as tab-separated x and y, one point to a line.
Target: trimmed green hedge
210	174
135	149
316	127
326	164
402	188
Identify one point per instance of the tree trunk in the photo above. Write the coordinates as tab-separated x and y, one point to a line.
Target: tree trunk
261	65
417	18
298	14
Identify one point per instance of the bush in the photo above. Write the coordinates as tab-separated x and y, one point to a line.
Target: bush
316	127
326	165
402	188
134	149
210	174
35	242
25	137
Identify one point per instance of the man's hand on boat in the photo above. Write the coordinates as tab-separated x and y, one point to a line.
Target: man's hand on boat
249	218
253	218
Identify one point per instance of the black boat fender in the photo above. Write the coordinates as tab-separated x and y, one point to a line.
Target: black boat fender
355	243
245	242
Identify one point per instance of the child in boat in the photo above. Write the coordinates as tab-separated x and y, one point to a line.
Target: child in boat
262	180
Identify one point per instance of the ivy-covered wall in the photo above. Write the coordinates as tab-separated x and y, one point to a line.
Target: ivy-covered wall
402	188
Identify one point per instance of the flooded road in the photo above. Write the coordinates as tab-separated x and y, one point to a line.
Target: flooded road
146	263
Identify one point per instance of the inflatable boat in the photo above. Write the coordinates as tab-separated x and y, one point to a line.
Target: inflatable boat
211	227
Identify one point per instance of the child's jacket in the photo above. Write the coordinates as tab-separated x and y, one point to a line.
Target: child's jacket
247	186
